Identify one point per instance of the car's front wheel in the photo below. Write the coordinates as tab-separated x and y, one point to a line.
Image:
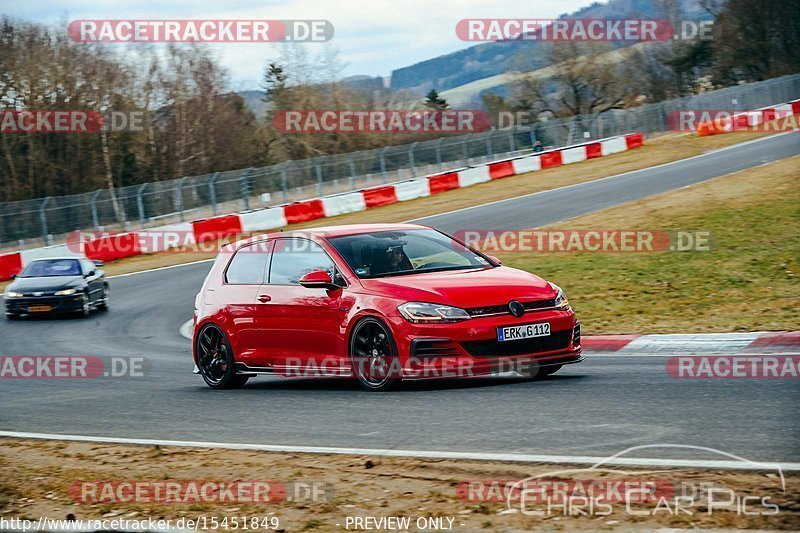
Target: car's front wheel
103	305
86	307
373	353
215	359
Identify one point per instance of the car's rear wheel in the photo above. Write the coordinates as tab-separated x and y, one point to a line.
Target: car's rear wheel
373	353
215	359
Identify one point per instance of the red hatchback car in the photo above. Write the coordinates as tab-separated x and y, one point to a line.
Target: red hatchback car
379	302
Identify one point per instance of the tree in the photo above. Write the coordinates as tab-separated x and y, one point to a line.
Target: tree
433	101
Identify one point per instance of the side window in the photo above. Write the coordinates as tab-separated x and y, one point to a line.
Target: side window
294	258
88	266
248	265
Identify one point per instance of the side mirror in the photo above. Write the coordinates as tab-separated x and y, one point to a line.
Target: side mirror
97	262
494	259
90	274
318	279
13	276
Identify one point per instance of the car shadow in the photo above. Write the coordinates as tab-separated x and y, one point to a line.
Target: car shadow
428	385
56	317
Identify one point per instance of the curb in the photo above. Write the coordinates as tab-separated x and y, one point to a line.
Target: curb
689	343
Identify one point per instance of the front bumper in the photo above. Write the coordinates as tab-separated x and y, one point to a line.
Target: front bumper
39	305
471	349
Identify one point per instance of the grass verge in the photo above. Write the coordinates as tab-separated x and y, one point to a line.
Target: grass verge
38	476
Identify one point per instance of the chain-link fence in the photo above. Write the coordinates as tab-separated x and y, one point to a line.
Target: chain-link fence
31	222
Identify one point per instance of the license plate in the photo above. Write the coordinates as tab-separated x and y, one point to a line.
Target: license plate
40	308
523	331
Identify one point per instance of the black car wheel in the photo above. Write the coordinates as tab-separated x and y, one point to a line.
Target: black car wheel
373	354
86	306
103	305
215	359
12	316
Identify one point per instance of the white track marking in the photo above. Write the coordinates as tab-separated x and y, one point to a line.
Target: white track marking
186	329
474	456
160	268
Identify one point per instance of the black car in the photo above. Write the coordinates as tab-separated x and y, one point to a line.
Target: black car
57	285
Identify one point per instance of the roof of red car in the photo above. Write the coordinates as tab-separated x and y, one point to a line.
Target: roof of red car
354	229
329	231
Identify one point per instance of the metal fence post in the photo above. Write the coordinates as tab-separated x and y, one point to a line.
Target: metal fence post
178	198
140	202
245	180
383	164
318	169
285	180
212	192
411	157
352	179
511	144
93	204
533	135
43	219
489	147
439	152
464	147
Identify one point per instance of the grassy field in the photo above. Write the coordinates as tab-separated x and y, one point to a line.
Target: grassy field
746	282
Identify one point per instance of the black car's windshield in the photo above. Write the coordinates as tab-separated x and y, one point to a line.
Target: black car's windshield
45	268
397	253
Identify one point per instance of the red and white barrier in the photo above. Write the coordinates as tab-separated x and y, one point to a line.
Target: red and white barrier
341	204
153	240
748	119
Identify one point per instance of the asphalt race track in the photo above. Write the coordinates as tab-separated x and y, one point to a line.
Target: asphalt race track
599	407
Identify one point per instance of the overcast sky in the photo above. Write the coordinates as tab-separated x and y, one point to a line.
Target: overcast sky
373	37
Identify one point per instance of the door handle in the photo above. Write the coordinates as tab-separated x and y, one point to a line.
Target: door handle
264	298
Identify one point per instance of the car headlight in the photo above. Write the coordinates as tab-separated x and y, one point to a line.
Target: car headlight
561	302
423	312
12	294
66	292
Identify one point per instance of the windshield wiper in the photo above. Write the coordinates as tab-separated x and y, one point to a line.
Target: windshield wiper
425	270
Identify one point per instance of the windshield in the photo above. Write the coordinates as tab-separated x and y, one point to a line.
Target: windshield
45	268
396	253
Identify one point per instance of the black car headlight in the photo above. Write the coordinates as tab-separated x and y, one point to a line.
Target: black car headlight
420	312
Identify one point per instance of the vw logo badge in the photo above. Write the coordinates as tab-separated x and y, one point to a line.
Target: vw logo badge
516	308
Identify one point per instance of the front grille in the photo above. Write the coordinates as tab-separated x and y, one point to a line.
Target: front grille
433	348
559	340
503	309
